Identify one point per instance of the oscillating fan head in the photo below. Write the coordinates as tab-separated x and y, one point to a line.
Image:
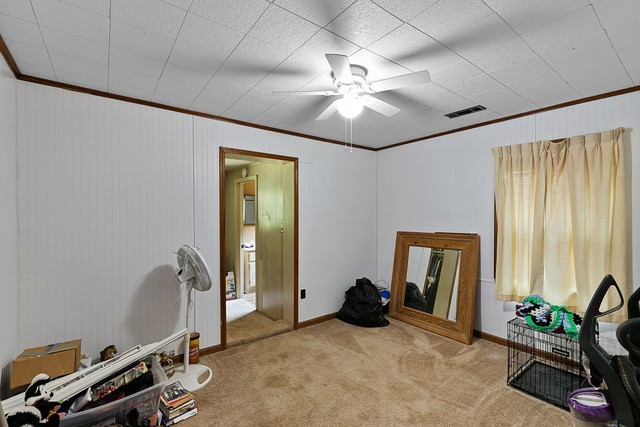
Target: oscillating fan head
192	268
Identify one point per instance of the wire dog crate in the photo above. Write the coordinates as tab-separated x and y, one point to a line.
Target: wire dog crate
544	365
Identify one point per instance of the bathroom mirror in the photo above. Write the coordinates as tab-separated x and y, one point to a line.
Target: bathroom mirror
434	282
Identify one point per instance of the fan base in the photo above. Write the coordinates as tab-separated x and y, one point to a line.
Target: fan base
189	379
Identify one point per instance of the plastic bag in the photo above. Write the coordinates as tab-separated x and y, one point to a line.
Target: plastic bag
362	305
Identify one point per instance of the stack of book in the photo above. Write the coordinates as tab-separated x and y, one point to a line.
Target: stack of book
176	404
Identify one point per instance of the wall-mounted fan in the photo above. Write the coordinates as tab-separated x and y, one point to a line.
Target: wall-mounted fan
351	84
194	272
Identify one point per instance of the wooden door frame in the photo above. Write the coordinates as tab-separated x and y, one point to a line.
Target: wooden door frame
223	152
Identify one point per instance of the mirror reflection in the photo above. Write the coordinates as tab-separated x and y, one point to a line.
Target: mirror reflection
432	281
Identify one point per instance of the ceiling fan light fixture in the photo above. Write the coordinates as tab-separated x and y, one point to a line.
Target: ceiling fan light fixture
350	106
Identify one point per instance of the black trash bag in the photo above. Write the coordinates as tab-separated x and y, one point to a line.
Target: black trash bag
413	298
363	305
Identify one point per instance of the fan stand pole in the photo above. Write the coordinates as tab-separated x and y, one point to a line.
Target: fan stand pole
190	374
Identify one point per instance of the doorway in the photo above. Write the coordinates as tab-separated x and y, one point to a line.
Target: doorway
258	245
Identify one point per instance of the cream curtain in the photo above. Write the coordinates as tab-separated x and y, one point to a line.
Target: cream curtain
561	217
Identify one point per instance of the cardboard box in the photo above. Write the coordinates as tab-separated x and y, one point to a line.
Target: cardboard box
54	360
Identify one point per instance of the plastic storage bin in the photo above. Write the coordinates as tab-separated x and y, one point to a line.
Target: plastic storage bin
145	401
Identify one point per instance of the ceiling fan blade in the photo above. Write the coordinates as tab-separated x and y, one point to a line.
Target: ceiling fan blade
411	79
341	67
329	111
378	105
312	93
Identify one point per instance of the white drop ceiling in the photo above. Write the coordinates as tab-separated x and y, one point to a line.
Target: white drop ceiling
224	57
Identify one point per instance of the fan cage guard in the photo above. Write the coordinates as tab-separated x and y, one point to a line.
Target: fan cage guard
544	365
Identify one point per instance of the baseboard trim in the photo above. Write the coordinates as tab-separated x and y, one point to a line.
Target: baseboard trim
316	320
489	337
203	352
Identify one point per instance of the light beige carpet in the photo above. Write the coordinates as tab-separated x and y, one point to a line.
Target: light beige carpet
237	308
254	326
335	374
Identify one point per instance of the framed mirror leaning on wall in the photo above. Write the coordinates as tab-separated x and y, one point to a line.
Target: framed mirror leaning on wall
434	282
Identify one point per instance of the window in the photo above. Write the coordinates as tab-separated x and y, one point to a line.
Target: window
561	218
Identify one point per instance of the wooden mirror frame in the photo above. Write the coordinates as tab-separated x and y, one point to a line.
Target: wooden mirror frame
469	246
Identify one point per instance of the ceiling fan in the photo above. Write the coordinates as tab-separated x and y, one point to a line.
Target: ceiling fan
351	83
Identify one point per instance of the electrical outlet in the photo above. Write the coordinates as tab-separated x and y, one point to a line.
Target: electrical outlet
303	294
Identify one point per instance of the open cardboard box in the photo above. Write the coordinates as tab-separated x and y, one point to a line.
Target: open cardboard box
54	360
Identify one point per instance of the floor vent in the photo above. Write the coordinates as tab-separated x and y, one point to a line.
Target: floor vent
465	111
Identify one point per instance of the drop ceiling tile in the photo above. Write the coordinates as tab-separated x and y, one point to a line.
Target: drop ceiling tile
82	81
101	7
324	42
36	71
130	92
417	92
526	15
456	74
139	64
275	82
209	35
226	87
184	79
262	97
496	5
78	47
297	103
242	72
151	15
590	56
526	68
620	20
479	36
446	101
237	14
480	84
20	9
278	114
319	12
90	71
432	59
402	43
172	97
503	101
449	17
283	29
265	121
377	67
29	54
563	30
244	110
195	57
481	117
259	53
212	103
502	55
142	42
20	31
301	68
127	78
586	86
406	10
363	23
546	89
182	4
70	19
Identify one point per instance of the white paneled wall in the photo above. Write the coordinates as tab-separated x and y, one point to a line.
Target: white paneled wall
446	184
107	190
8	223
105	194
